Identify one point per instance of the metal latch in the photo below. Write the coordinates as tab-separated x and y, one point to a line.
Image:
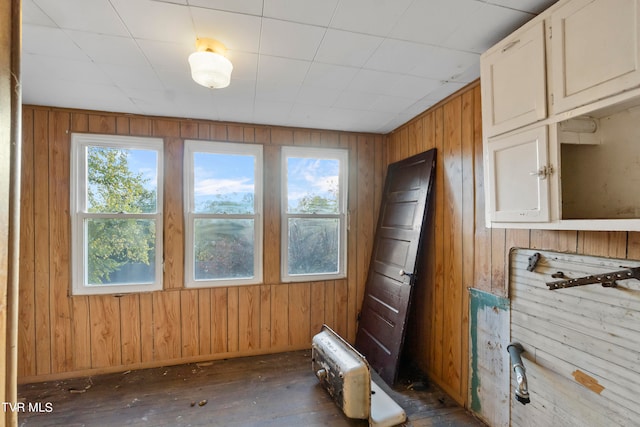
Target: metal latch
543	172
608	280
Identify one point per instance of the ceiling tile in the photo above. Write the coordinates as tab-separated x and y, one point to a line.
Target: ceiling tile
62	69
183	2
421	60
347	48
442	92
314	95
32	14
412	86
432	21
391	104
152	20
329	76
444	64
290	40
75	94
239	88
86	15
245	65
166	55
275	69
363	17
312	12
271	112
356	100
277	91
472	33
235	30
128	77
179	81
393	84
108	49
49	42
251	7
234	108
531	6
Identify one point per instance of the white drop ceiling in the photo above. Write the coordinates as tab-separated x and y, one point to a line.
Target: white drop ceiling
356	65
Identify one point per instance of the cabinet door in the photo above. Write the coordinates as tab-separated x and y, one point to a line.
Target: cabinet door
513	82
595	50
518	177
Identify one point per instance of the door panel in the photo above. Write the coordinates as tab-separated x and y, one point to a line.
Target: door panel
519	174
595	50
397	244
513	82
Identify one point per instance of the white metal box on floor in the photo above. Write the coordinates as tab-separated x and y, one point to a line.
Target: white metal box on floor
346	376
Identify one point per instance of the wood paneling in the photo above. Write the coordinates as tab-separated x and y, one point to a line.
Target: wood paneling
461	252
458	250
64	336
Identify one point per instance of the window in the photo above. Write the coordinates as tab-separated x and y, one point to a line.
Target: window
116	215
314	223
223	208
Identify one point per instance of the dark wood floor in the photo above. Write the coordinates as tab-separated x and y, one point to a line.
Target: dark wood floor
273	390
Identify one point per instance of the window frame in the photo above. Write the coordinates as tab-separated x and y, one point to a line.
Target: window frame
218	147
342	155
78	211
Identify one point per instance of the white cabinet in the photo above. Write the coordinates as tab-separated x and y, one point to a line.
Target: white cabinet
519	174
513	81
595	50
561	151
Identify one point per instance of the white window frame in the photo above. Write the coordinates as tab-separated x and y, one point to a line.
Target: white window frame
196	146
342	155
78	198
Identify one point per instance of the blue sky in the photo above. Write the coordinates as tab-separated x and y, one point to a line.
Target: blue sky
231	176
228	176
311	176
145	162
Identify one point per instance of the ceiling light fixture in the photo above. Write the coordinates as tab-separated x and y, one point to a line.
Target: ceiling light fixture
209	66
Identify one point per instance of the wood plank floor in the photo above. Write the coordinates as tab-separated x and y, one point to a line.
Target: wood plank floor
271	390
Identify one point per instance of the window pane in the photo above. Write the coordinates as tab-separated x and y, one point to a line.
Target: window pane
120	251
312	185
313	245
223	183
223	248
121	180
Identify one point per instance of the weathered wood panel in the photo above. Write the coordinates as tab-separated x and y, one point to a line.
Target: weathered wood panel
63	335
489	370
580	343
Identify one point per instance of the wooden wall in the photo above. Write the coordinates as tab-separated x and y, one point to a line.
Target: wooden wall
62	335
438	338
461	252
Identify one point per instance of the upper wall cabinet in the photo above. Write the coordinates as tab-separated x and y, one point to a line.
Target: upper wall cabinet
513	81
560	107
595	50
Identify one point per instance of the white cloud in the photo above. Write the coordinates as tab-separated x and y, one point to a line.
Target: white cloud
212	186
